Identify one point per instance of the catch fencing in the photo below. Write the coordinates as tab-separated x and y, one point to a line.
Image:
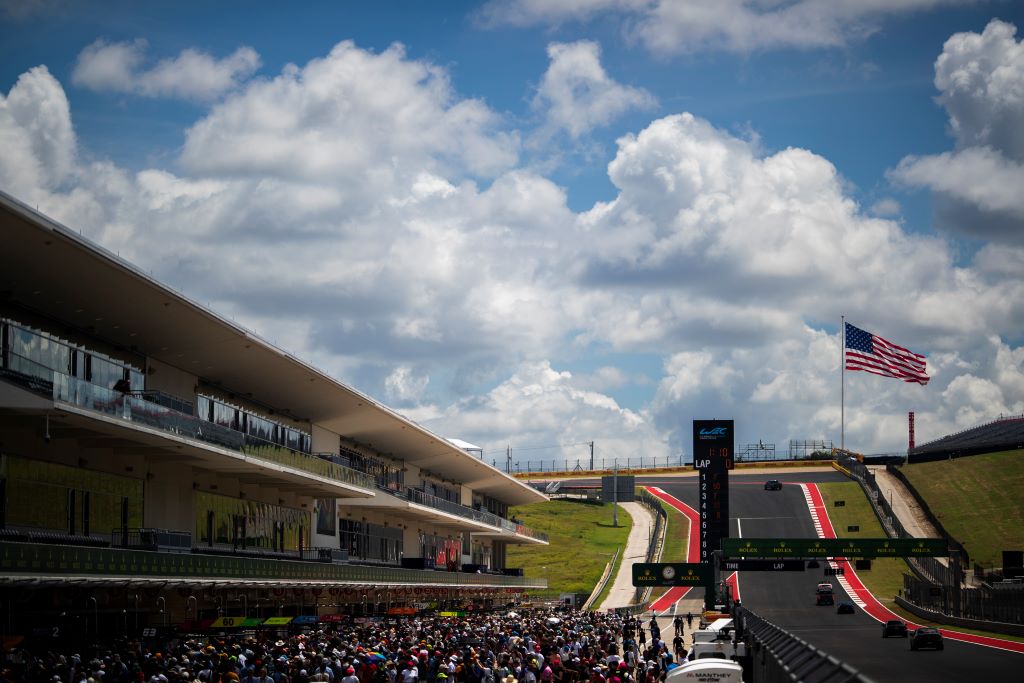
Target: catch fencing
640	463
938	585
932	570
623	465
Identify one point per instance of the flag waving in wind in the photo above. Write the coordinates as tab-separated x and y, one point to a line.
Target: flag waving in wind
871	353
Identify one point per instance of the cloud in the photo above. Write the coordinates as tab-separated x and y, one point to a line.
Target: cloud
542	409
980	78
353	113
577	95
669	27
979	176
886	207
981	81
403	387
362	214
192	75
36	135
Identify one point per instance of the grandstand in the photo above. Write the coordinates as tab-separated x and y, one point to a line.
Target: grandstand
1002	434
162	466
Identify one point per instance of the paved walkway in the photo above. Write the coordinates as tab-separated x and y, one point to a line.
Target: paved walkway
904	504
622	590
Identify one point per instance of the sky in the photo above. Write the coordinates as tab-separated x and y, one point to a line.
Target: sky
536	224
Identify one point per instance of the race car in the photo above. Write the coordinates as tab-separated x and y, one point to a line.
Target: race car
894	627
824	594
926	636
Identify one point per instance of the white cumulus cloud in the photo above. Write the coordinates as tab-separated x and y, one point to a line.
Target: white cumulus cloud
352	113
576	93
980	78
192	75
36	136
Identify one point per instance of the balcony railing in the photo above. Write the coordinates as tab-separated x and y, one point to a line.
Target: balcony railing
143	408
415	495
138	408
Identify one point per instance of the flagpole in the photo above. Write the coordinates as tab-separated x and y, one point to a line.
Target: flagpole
842	383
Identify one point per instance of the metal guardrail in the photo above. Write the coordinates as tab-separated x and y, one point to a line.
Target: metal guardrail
417	496
929	569
778	656
599	588
655	540
160	540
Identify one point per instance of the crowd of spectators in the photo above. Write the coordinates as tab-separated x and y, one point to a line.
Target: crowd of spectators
529	646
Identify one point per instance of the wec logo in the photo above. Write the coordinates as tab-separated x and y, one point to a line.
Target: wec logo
717	431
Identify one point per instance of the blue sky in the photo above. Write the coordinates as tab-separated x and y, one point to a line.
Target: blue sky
544	223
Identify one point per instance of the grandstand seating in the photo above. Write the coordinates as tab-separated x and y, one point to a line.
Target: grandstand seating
1003	434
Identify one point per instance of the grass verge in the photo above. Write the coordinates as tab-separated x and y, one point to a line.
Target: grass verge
979	500
581	540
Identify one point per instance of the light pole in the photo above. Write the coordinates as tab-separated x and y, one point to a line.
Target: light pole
615	494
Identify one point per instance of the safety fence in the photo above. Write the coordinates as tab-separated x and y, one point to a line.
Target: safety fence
928	569
778	656
938	586
623	465
1000	606
640	463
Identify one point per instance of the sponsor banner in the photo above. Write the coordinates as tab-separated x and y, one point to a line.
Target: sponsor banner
305	619
407	611
669	574
277	621
834	547
332	617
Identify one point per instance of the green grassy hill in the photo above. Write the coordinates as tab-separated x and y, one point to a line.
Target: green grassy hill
978	499
581	541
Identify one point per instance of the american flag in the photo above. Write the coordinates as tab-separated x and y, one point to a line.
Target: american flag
871	353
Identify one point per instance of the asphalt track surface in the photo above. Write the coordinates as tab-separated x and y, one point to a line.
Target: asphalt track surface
787	598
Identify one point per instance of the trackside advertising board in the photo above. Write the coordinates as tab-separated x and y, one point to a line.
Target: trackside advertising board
669	574
834	547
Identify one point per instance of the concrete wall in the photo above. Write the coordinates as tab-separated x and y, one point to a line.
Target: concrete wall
939	618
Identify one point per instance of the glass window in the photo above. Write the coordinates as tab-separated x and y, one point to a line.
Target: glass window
32	481
249	524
